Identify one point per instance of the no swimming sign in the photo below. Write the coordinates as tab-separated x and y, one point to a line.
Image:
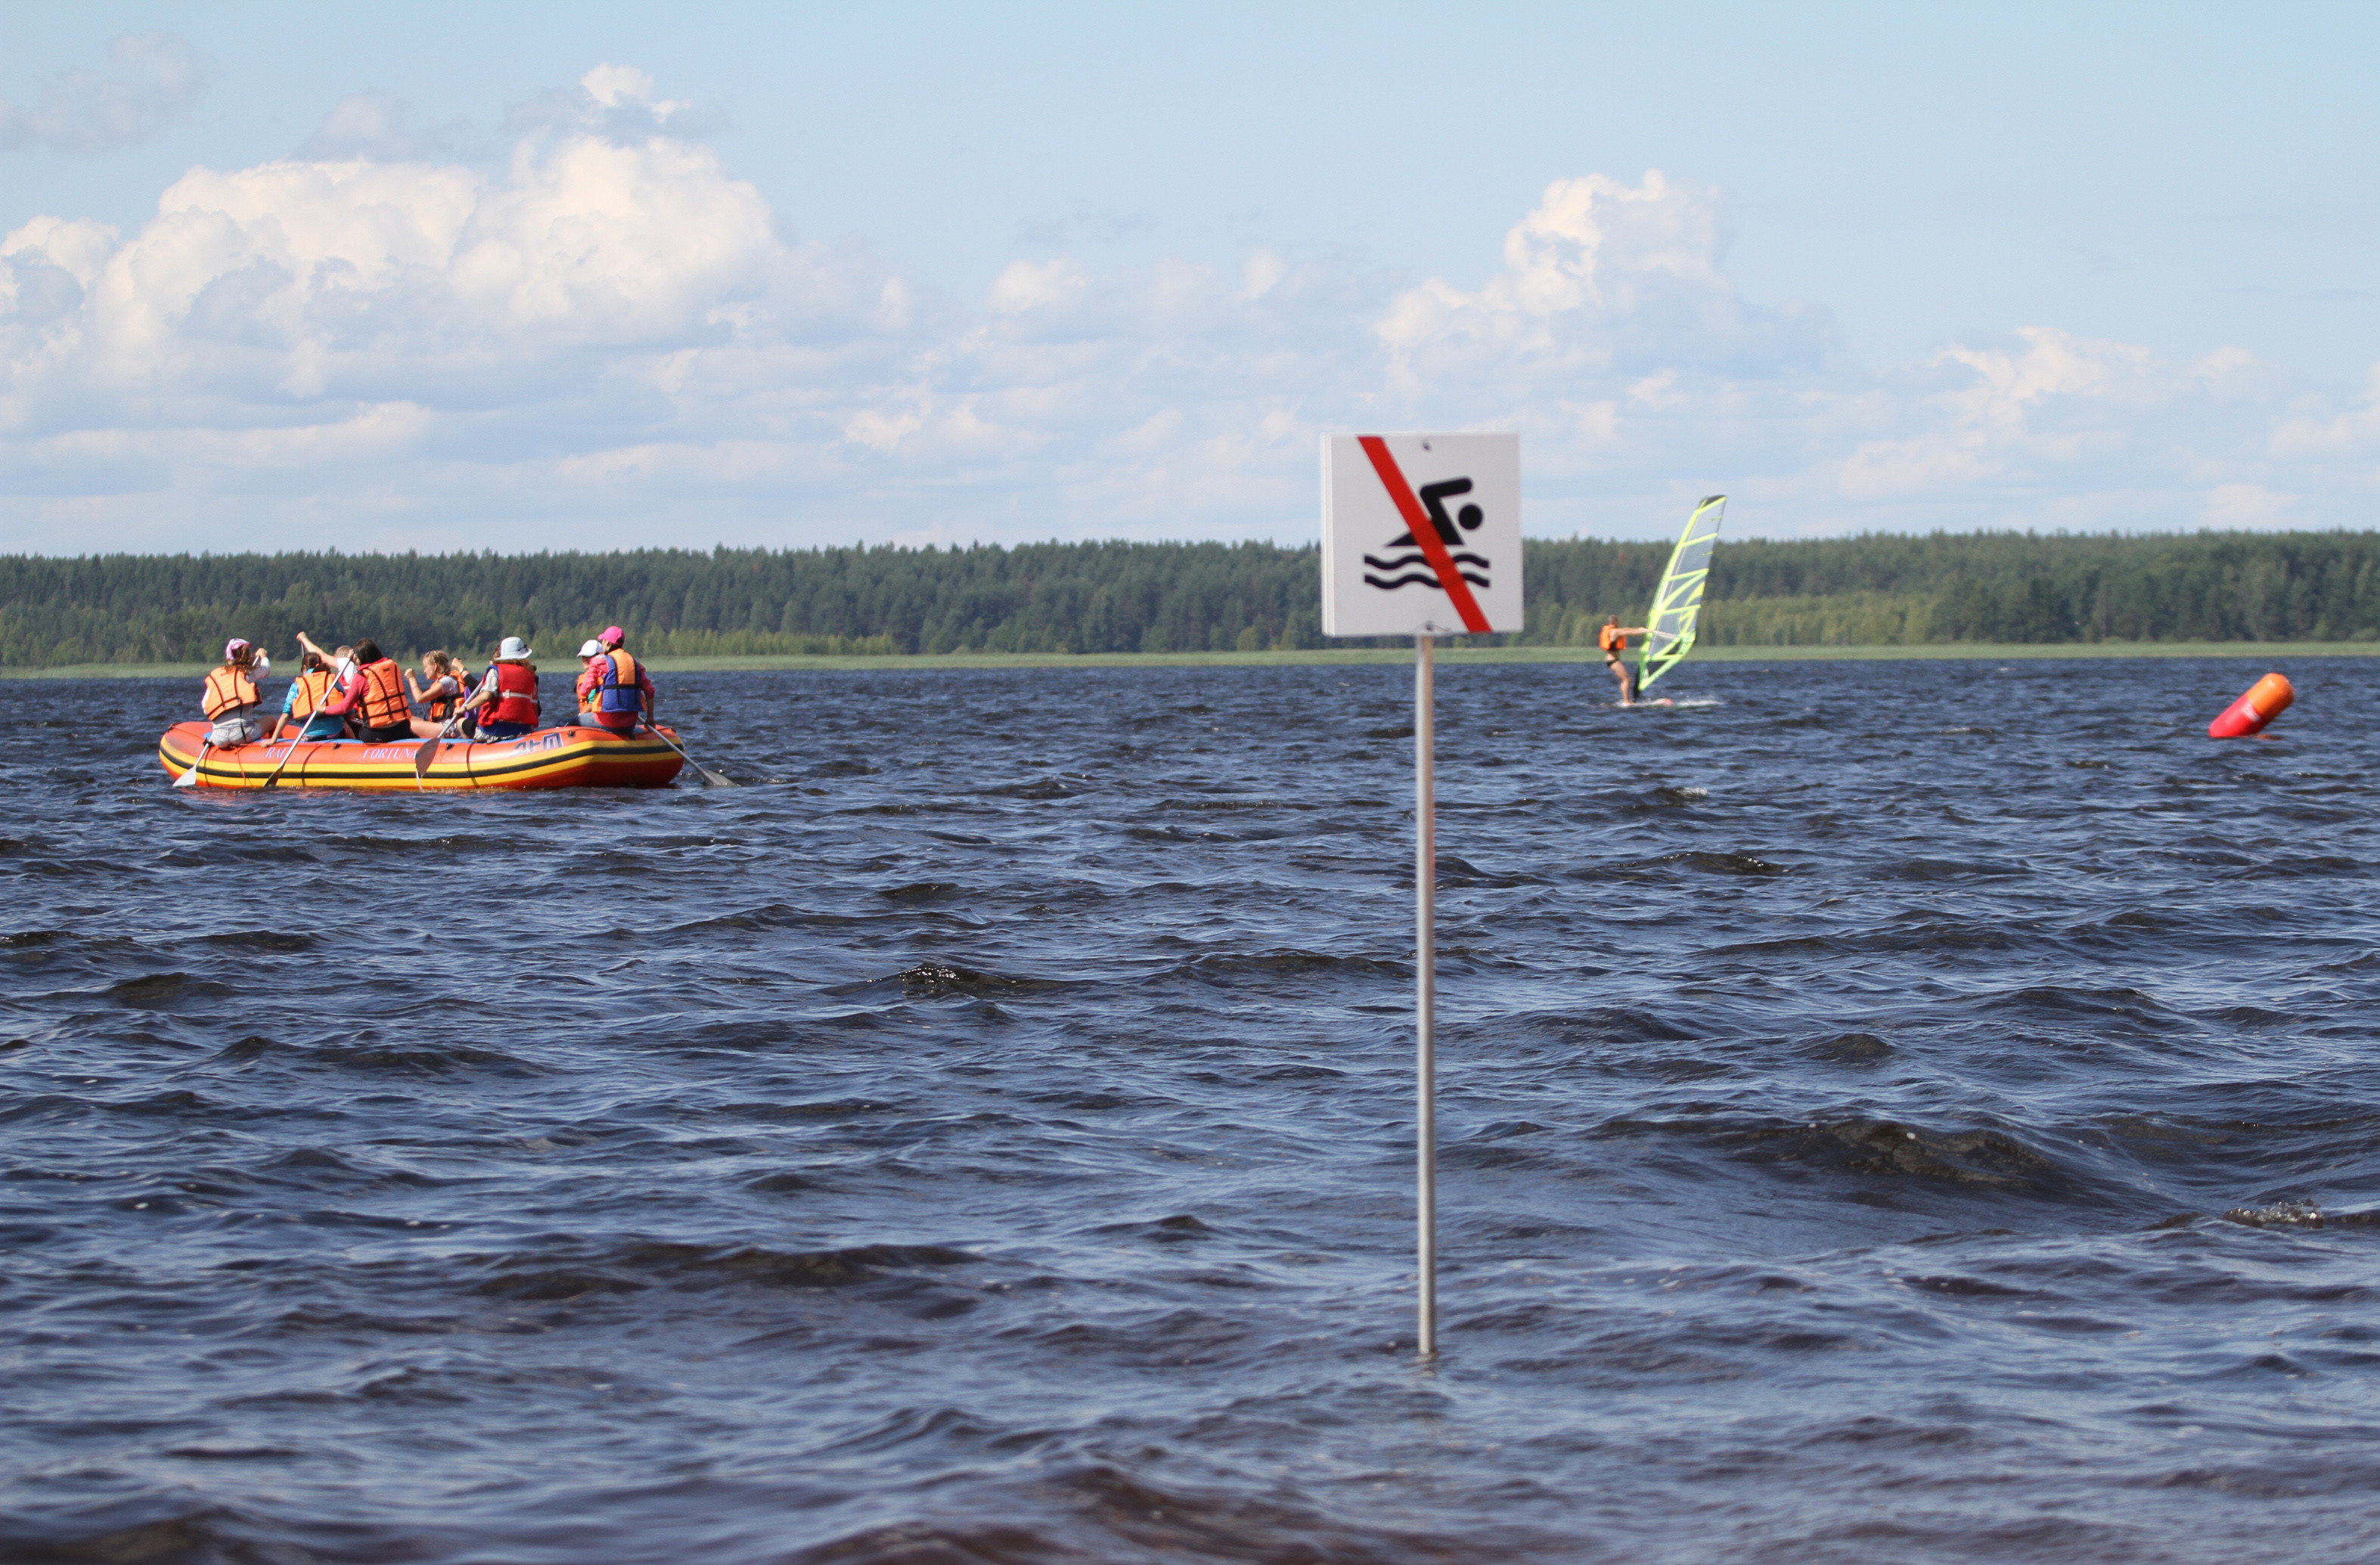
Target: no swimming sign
1421	535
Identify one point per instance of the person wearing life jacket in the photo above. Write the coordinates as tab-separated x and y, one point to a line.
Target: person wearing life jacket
373	693
1613	640
468	684
341	661
505	705
621	691
231	698
584	717
442	699
309	693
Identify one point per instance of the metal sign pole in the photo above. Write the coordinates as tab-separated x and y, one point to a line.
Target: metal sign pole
1421	536
1425	987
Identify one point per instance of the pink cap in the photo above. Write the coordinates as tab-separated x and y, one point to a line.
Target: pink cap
234	648
613	637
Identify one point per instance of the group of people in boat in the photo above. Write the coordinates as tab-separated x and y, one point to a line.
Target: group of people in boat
358	692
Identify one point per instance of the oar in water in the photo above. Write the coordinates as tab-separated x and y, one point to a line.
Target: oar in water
710	779
190	778
427	751
307	721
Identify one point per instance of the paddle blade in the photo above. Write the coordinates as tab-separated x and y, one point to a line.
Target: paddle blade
423	755
710	779
191	779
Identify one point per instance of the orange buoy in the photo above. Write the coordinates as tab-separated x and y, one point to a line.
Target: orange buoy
2266	699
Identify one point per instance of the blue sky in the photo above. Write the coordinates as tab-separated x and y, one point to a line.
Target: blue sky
536	276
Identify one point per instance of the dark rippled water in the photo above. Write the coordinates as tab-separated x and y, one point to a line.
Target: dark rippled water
1914	1112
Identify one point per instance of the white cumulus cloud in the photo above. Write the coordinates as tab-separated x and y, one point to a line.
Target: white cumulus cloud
601	336
425	329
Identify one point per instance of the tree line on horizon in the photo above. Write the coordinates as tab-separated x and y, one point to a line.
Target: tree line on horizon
1876	589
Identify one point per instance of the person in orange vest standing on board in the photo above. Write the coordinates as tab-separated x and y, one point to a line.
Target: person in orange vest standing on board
231	697
505	705
1613	640
620	690
373	693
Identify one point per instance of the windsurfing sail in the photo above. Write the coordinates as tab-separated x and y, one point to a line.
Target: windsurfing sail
1670	628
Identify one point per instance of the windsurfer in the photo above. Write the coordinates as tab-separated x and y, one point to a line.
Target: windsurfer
1613	640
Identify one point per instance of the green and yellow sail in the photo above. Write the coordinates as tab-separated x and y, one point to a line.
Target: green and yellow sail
1670	628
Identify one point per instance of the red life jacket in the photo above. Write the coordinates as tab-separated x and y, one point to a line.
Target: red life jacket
1611	638
228	688
516	700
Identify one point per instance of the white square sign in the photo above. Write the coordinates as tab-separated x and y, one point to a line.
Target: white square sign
1421	535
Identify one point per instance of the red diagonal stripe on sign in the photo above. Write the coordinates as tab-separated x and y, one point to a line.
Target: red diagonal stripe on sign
1425	533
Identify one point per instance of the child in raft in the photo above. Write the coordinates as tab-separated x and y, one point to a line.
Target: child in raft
615	691
231	700
589	650
303	705
370	687
505	705
442	697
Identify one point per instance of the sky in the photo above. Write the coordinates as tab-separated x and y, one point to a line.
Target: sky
545	277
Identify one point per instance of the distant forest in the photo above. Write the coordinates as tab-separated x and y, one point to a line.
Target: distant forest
1873	589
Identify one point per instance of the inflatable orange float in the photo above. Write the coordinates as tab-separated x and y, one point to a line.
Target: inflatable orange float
2266	700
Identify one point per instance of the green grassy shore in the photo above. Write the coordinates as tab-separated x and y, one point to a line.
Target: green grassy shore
1453	652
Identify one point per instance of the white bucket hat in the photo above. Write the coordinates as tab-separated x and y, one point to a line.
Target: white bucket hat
514	651
590	647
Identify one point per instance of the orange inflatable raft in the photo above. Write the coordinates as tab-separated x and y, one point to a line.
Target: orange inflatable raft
2266	700
551	757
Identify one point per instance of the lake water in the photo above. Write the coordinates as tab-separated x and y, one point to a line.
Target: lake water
1894	1111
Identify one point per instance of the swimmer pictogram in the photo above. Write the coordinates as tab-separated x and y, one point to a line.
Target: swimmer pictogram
1421	534
1472	567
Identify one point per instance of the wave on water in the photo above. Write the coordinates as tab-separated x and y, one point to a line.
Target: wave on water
1876	1119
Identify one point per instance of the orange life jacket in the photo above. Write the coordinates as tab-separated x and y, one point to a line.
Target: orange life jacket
1611	638
383	694
313	687
442	708
617	691
229	687
515	699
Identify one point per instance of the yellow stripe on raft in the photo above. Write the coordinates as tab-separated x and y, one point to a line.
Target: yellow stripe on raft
551	757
